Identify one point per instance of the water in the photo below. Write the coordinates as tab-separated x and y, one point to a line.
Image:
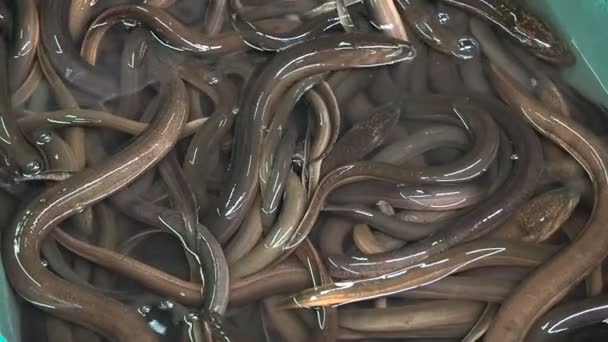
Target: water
458	181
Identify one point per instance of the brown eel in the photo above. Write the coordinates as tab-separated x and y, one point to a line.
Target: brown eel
550	283
331	52
22	242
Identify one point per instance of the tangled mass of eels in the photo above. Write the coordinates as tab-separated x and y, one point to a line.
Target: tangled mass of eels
281	170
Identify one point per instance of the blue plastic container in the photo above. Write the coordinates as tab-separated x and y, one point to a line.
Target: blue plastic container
9	327
583	22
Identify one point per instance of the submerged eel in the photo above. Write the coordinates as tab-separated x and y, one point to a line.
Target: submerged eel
523	26
426	22
332	52
549	284
64	56
22	242
566	318
475	254
172	32
26	35
472	224
16	153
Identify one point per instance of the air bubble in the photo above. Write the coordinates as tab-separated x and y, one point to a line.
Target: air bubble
514	156
385	208
443	18
44	137
213	78
32	168
466	48
534	82
166	304
144	310
191	316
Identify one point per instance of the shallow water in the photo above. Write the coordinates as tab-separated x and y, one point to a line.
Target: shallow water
292	171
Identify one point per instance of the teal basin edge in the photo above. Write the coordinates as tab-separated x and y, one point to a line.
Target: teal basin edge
584	24
9	331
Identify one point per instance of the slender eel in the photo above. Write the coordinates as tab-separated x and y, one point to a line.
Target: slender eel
152	278
247	236
464	287
108	238
280	120
58	330
6	19
25	43
361	139
563	319
431	197
327	318
286	323
333	231
442	334
172	32
465	168
207	139
320	55
271	9
474	223
388	224
386	17
214	16
272	194
81	12
474	254
75	136
73	156
444	77
533	298
59	264
211	258
320	141
425	21
60	156
285	277
417	316
262	40
540	218
64	56
95	118
522	25
482	325
420	142
271	247
330	100
370	243
344	16
326	7
185	204
498	54
16	153
21	252
28	87
132	65
594	283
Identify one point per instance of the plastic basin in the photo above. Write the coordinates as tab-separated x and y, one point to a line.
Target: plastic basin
582	22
